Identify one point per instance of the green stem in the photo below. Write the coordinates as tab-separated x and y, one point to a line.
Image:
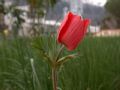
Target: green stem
54	78
60	51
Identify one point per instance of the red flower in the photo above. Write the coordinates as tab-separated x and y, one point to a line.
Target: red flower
72	30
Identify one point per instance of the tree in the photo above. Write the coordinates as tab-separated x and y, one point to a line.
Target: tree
2	13
38	9
40	6
113	7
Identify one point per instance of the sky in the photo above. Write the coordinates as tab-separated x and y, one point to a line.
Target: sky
94	2
97	2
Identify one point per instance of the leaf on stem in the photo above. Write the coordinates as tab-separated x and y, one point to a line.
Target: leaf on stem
66	58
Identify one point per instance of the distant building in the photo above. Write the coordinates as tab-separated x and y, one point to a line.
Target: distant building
106	33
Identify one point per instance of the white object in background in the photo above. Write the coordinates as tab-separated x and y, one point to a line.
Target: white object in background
94	29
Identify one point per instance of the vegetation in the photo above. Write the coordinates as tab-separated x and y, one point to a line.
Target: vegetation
40	7
96	68
112	6
22	67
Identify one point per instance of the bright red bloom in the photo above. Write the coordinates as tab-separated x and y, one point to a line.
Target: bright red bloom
72	30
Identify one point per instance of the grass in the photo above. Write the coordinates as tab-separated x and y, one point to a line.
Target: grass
97	67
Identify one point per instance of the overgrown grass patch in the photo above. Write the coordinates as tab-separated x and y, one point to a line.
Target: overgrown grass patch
96	68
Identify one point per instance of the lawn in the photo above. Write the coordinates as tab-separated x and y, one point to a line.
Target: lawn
96	68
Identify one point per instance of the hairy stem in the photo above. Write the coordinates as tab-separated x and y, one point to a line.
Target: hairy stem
60	51
54	78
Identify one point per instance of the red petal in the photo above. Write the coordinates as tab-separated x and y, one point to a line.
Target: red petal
86	23
64	25
75	33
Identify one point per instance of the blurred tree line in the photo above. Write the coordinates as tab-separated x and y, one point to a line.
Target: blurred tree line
113	6
38	9
40	6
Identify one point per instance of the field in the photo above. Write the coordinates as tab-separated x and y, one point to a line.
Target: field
96	68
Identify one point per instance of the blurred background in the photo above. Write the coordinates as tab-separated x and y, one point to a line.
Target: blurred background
24	23
32	16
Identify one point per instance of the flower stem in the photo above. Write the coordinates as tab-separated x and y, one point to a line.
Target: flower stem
59	52
54	78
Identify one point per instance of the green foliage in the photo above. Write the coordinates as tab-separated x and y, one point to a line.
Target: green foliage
52	2
40	6
113	7
96	68
1	8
